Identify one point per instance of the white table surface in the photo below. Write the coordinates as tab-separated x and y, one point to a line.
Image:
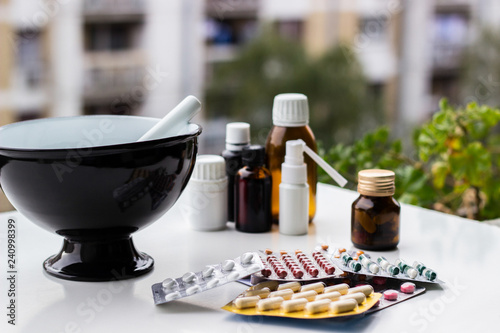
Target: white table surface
464	253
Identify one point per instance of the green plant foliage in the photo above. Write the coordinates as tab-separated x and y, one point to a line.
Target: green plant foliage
456	168
341	107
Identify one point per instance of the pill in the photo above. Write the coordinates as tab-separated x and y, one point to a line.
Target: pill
207	272
318	306
266	272
233	276
268	251
391	295
341	250
310	295
359	253
408	288
246	258
262	293
337	256
253	268
365	289
355	266
333	296
297	252
401	264
172	296
294	286
169	283
329	270
281	273
419	267
228	265
324	247
313	271
193	290
355	258
343	306
285	293
391	269
188	277
429	274
317	287
297	273
359	297
383	262
246	302
294	305
410	272
269	303
341	288
345	257
212	283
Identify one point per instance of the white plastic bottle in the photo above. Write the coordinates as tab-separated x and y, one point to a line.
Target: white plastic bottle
294	191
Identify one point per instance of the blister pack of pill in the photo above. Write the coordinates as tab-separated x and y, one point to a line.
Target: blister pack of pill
296	266
210	277
304	301
393	292
359	262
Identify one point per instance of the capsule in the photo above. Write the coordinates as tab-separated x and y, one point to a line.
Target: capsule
269	303
318	287
294	286
343	306
228	265
359	297
365	289
419	267
332	296
354	265
285	293
246	302
383	262
193	290
188	277
212	283
341	288
246	258
294	305
262	293
318	306
345	257
233	276
429	274
169	283
310	295
208	271
392	270
172	296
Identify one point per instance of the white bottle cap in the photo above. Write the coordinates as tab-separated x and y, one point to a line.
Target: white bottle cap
209	167
291	110
237	136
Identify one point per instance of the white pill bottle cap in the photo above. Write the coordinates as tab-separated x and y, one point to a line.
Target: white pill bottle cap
290	110
237	136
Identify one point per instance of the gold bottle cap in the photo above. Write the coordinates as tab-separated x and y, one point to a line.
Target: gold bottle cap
376	182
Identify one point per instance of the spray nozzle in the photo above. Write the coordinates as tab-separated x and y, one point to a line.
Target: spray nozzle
294	156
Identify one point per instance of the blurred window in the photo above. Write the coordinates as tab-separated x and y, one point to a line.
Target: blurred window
111	36
29	57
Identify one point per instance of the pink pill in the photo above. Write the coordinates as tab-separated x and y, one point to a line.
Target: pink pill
298	274
391	295
408	287
313	272
329	269
281	274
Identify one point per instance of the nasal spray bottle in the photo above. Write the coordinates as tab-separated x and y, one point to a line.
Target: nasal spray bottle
294	190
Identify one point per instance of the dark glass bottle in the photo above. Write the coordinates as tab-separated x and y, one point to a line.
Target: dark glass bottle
237	137
375	214
253	192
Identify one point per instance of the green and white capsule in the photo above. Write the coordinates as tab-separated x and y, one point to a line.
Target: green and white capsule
391	269
354	265
368	264
383	262
408	270
401	264
429	274
346	258
419	267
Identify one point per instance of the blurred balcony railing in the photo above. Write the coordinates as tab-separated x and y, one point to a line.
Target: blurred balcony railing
110	10
109	75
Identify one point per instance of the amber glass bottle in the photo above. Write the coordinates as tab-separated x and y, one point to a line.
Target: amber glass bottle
253	192
290	122
375	214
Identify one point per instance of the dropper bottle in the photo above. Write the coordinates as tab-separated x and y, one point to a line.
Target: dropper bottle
237	138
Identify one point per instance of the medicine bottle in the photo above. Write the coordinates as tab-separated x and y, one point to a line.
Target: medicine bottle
237	137
253	192
375	214
290	122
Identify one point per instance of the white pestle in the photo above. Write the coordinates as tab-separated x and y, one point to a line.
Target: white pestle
175	121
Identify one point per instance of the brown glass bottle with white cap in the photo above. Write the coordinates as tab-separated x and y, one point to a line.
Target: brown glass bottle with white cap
375	214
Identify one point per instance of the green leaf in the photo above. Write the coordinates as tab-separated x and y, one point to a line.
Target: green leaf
439	172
